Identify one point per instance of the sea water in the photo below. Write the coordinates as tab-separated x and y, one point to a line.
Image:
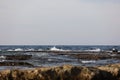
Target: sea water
42	58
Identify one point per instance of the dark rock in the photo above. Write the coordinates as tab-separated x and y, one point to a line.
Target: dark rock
17	57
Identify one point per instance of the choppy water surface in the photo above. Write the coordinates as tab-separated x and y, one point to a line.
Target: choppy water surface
39	56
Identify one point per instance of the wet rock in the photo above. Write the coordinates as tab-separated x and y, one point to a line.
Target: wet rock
91	56
15	57
18	57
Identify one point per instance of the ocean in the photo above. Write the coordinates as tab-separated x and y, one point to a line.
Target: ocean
30	56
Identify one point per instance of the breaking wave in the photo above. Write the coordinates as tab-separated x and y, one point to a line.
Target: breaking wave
95	50
56	49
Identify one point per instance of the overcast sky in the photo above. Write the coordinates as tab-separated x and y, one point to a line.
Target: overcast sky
60	22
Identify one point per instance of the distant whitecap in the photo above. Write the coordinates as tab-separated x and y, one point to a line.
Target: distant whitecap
10	50
18	49
95	50
31	49
55	49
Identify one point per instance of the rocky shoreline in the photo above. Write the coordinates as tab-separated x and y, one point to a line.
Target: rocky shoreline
65	72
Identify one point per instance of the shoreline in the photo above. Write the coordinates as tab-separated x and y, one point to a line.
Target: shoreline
65	72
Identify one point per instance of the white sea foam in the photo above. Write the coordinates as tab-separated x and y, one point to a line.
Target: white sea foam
10	50
95	50
50	60
41	54
31	49
113	54
18	49
40	50
2	57
56	49
90	61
